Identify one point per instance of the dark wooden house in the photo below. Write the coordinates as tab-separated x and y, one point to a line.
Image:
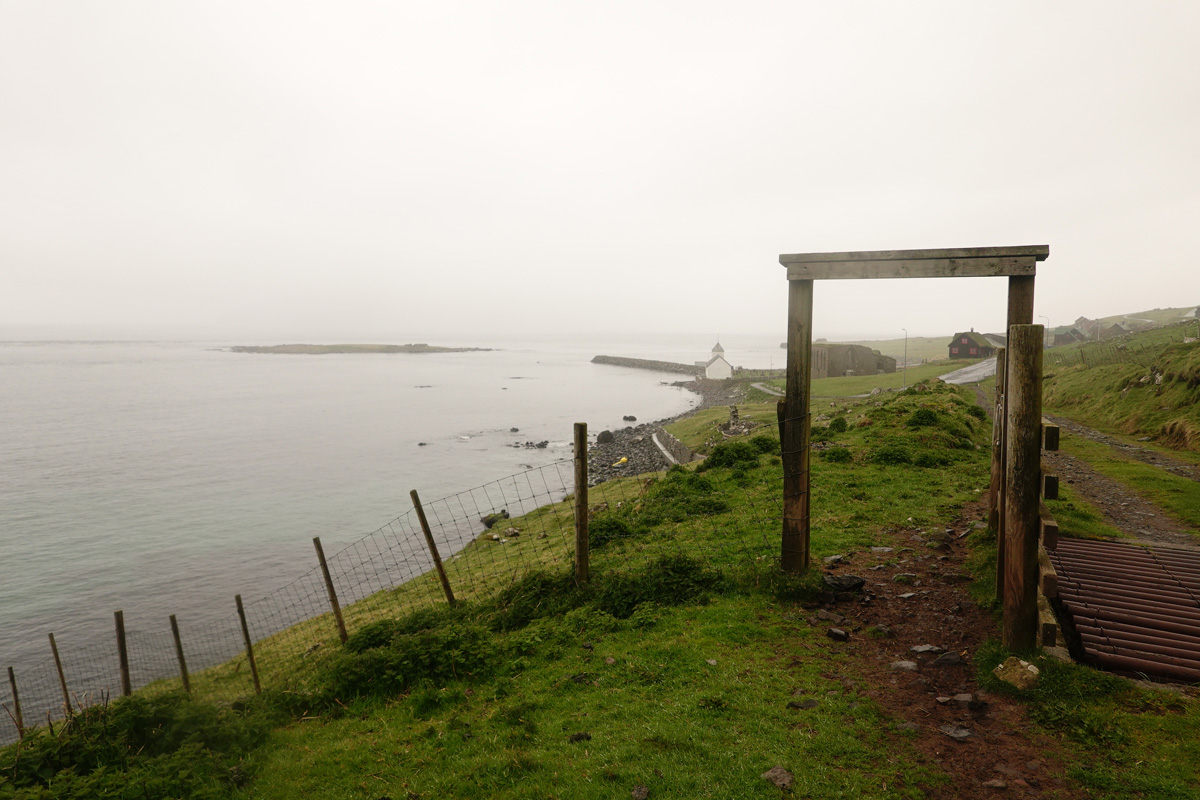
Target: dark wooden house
971	345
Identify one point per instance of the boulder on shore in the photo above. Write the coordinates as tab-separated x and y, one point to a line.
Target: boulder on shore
489	520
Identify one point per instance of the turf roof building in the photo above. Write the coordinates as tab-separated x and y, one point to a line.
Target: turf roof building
971	345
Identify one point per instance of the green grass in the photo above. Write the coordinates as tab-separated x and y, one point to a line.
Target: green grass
918	348
659	715
1177	495
1128	742
863	384
489	699
1078	518
1125	398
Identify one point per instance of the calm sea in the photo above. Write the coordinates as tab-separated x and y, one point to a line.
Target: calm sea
164	477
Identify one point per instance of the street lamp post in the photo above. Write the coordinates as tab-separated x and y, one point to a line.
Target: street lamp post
905	378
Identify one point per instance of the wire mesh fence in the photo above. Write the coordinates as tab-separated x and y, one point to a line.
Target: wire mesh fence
1141	349
488	538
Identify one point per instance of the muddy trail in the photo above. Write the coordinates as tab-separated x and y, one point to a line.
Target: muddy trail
1126	450
1121	507
912	635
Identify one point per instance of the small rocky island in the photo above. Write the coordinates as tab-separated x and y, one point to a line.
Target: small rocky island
328	349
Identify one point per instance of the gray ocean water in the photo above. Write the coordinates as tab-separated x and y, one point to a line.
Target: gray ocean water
164	477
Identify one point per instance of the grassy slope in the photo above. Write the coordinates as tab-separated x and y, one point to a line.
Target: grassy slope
920	348
1114	397
824	388
661	714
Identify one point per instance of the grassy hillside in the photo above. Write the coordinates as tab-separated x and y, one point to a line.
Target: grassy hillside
1159	316
688	664
1156	395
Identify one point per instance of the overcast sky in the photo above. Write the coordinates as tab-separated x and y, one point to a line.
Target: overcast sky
433	170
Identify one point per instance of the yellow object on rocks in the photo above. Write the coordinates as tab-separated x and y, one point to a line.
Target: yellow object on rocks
622	461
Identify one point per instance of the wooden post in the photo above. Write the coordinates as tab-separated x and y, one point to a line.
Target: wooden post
437	559
62	676
123	654
1020	312
249	645
997	445
795	447
1020	301
18	720
582	547
333	601
183	673
999	454
1022	521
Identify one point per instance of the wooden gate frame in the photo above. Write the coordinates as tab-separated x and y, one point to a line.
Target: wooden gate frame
1018	264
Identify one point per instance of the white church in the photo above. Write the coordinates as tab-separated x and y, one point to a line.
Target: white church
716	368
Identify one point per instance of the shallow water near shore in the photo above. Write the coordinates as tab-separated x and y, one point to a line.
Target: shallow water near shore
165	477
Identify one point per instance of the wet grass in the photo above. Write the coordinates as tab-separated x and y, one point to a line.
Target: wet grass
674	667
1176	495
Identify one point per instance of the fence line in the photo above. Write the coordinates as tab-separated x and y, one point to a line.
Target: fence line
1141	348
390	572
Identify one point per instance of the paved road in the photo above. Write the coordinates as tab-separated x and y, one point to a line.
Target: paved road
762	387
972	374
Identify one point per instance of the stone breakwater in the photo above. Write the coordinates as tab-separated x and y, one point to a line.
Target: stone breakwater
645	363
635	445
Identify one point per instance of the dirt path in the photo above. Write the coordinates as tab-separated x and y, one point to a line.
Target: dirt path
1143	454
1123	508
913	635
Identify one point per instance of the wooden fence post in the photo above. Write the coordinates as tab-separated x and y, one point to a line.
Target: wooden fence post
333	601
18	720
1022	520
1002	452
123	654
249	644
183	673
582	551
62	676
997	446
795	446
433	551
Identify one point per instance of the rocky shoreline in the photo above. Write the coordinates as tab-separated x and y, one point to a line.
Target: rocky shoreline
631	450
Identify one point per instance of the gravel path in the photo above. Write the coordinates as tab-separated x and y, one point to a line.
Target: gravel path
1143	454
1122	508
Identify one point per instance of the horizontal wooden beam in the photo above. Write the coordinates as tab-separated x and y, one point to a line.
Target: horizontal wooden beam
960	262
1039	252
915	268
